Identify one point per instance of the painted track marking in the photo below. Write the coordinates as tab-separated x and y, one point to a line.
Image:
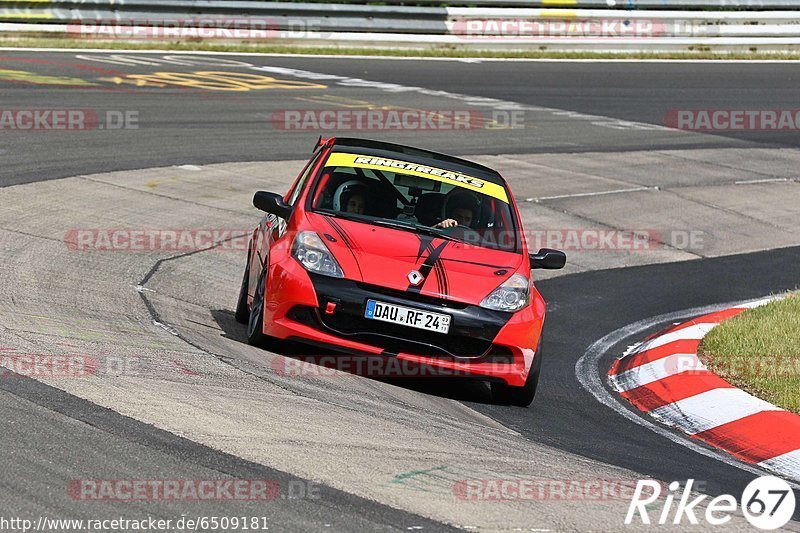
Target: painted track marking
590	377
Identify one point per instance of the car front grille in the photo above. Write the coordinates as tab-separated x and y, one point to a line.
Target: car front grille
395	338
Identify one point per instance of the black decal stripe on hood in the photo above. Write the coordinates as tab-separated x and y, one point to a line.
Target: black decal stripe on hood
476	263
339	231
428	265
439	280
444	283
343	234
424	244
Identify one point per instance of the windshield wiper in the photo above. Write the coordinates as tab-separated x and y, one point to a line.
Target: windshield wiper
419	228
347	216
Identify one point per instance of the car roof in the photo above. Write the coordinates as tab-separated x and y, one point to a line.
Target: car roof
418	155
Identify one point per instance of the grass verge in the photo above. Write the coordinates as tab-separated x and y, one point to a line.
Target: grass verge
759	351
441	52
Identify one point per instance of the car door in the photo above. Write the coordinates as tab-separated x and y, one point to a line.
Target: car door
271	227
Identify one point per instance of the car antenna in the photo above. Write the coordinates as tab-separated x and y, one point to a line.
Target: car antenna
321	141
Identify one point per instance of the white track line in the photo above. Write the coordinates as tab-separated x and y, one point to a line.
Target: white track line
759	303
398	58
476	101
585	194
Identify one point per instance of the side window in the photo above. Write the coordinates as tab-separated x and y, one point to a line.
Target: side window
300	184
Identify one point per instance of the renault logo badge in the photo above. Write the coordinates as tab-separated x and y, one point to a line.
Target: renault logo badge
415	278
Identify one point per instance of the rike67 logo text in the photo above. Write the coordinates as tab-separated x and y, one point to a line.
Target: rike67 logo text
767	503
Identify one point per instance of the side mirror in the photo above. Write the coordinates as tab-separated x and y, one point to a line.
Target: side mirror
548	258
271	202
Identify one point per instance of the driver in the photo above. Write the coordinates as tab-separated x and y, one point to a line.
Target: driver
356	203
461	210
350	197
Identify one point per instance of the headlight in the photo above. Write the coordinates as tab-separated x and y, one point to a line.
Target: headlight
312	253
512	295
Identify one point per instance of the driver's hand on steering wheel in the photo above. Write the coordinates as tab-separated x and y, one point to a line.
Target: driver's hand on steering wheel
446	223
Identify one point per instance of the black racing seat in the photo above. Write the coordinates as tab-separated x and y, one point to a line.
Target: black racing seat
429	208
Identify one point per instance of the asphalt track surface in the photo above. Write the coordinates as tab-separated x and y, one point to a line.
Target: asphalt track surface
614	299
50	435
199	127
183	125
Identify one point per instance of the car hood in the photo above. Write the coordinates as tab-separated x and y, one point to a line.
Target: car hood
386	257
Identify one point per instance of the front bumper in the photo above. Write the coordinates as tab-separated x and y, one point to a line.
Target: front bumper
481	343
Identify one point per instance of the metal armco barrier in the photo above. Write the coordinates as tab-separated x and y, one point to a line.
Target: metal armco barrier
245	6
620	25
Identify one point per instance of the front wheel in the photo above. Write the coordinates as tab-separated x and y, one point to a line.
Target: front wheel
255	322
242	312
504	394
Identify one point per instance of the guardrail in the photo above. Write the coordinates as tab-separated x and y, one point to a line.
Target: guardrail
259	5
359	25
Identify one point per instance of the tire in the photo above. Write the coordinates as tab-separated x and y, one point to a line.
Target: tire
255	321
504	394
242	312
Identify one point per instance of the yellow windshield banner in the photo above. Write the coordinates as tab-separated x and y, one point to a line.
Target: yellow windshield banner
416	169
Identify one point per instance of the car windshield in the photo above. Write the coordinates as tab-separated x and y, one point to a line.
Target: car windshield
416	197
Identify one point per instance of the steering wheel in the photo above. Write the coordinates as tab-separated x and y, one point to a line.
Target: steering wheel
464	233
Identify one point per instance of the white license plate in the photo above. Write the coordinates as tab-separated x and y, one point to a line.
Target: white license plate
415	318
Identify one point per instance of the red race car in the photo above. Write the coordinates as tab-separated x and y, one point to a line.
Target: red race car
397	253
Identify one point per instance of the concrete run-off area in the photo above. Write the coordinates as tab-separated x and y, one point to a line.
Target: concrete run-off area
158	323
